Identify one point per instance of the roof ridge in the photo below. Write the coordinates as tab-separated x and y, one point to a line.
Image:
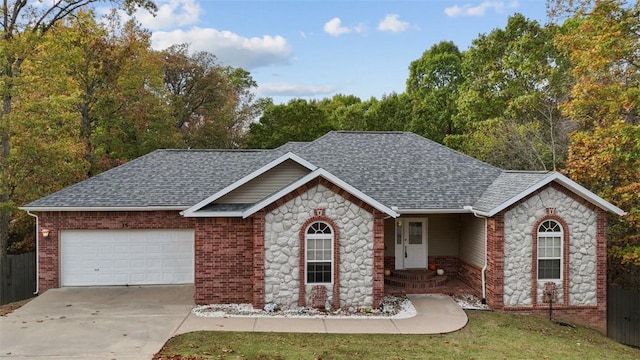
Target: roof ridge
370	132
530	171
214	150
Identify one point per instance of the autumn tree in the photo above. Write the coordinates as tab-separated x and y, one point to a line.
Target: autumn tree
24	23
211	105
119	87
603	44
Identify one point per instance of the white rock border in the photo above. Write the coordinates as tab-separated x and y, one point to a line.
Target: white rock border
404	310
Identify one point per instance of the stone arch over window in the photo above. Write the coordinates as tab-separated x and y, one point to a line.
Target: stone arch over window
550	252
319	228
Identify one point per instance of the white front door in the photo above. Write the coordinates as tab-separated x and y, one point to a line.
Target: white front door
411	243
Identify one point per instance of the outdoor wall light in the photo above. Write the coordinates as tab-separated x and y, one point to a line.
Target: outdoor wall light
45	233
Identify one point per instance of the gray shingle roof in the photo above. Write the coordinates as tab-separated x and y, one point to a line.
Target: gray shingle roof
402	169
397	169
163	178
506	186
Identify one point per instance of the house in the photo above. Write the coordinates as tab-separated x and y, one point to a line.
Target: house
270	226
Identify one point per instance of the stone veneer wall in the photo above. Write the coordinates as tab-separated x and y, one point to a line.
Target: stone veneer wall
282	248
521	223
583	309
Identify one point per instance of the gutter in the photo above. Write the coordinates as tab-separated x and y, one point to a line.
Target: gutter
37	290
484	268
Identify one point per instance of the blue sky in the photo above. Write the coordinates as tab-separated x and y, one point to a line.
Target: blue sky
316	49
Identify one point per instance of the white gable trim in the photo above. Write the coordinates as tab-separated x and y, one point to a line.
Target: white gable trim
288	156
567	183
216	214
313	175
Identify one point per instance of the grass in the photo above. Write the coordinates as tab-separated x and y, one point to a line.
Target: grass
488	335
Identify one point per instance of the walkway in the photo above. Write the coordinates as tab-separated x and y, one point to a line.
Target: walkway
437	314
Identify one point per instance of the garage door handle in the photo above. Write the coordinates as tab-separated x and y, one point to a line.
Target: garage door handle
96	269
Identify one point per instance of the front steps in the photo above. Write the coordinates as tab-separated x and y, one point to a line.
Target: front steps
419	281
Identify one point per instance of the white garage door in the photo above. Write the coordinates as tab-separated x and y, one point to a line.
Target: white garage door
126	257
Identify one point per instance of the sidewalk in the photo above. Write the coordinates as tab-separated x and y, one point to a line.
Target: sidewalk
436	314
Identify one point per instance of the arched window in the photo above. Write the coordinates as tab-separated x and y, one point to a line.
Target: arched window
319	254
550	235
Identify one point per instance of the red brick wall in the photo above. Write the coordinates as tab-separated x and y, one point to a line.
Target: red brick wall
55	221
450	264
390	262
224	271
258	260
378	257
471	275
495	262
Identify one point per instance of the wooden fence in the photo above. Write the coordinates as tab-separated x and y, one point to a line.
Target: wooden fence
623	315
17	277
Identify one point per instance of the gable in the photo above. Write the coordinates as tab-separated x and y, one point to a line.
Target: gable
265	184
513	186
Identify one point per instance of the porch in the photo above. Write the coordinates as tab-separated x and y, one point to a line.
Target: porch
417	245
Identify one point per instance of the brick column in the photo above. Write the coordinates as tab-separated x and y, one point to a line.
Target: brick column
378	257
495	262
258	260
601	270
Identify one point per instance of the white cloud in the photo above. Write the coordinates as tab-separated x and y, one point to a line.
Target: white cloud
231	49
171	14
296	90
392	23
334	27
479	10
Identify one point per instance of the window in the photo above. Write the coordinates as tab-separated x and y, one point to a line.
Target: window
319	254
550	250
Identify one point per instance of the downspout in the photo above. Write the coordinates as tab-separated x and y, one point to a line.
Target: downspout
37	248
484	268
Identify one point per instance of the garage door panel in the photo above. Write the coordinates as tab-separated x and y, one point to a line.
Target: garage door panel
127	257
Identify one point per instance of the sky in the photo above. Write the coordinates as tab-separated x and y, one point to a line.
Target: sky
317	49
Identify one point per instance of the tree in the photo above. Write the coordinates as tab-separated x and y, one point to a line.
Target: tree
514	80
432	87
298	120
23	25
391	113
607	161
345	112
603	43
118	84
211	105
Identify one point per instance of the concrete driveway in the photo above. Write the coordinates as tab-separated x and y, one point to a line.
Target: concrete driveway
95	322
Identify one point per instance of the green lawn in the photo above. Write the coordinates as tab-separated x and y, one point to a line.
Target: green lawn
488	335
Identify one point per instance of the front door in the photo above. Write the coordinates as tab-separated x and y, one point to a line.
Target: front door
411	243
